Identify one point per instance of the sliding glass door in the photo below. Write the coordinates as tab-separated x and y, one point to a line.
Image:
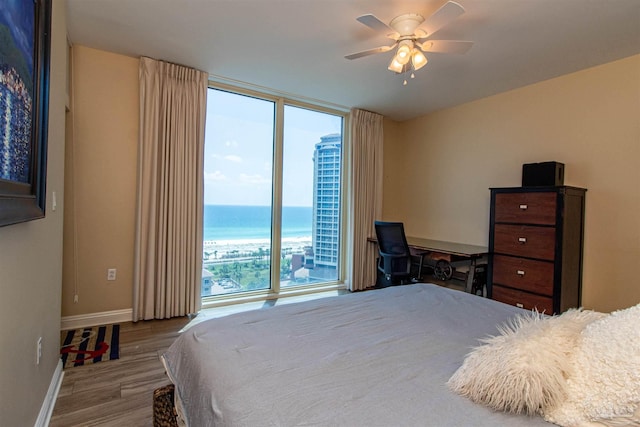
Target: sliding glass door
273	184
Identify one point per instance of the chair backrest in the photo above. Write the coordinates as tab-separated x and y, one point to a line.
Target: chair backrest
391	238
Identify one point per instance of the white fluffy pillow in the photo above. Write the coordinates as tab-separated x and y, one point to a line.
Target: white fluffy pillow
604	385
523	369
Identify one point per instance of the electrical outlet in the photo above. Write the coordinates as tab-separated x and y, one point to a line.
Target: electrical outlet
38	350
111	274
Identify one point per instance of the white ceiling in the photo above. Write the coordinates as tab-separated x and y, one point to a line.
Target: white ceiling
297	47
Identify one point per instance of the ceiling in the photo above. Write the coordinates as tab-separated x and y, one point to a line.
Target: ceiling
297	47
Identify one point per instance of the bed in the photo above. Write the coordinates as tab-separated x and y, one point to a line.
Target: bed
374	358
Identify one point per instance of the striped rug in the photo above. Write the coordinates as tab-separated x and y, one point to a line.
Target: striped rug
90	345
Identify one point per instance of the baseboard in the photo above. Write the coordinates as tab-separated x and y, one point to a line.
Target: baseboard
95	319
50	399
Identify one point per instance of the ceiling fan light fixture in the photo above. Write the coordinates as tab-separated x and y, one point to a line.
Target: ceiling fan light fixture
403	54
410	42
404	48
418	59
401	59
395	66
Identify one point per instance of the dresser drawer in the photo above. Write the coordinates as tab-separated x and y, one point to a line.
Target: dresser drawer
526	208
523	240
522	299
524	274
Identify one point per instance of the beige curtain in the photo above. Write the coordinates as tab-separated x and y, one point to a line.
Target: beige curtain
366	195
168	245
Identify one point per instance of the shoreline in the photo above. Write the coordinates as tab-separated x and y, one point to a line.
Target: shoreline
218	249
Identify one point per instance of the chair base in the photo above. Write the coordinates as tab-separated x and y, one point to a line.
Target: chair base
384	282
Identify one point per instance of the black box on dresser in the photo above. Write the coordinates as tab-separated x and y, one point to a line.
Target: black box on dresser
542	174
536	239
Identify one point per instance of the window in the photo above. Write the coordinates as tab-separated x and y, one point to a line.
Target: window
272	174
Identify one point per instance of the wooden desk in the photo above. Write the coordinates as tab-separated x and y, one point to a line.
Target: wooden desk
470	253
452	248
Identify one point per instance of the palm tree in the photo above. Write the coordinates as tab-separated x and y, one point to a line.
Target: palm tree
225	270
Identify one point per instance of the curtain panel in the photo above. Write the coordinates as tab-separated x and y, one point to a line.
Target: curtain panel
366	194
168	241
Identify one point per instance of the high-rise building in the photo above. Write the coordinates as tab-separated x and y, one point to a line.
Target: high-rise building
326	206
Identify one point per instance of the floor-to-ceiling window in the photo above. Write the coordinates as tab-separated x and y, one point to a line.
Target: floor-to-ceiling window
273	185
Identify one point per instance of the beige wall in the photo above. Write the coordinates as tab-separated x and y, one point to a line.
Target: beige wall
438	168
100	183
31	270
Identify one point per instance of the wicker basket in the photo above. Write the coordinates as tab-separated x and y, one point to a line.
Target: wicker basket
164	412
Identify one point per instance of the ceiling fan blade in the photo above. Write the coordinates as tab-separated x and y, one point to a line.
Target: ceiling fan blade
446	46
421	34
373	51
441	17
374	23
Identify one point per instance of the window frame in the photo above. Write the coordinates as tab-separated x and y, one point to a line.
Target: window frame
275	290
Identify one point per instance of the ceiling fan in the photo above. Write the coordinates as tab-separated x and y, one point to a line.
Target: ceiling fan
412	41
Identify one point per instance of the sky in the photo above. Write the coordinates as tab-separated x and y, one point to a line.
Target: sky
239	150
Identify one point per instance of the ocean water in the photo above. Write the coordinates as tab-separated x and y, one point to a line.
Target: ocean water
225	222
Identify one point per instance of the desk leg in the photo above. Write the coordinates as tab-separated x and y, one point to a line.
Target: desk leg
470	276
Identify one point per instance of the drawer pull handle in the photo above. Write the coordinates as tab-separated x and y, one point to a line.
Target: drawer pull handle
524	207
519	305
522	240
520	273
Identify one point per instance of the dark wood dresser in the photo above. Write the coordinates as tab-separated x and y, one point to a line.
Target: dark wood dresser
535	247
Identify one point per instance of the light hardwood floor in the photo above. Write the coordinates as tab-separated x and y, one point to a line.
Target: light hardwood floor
119	392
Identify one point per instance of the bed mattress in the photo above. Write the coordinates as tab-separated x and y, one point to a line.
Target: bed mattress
374	358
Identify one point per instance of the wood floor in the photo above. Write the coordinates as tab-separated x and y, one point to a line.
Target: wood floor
118	392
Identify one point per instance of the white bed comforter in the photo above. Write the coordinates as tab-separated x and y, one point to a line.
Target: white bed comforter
375	358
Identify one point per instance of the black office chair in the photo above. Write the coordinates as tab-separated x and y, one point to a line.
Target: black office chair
396	258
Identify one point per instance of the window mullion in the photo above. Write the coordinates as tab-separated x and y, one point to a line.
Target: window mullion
276	205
